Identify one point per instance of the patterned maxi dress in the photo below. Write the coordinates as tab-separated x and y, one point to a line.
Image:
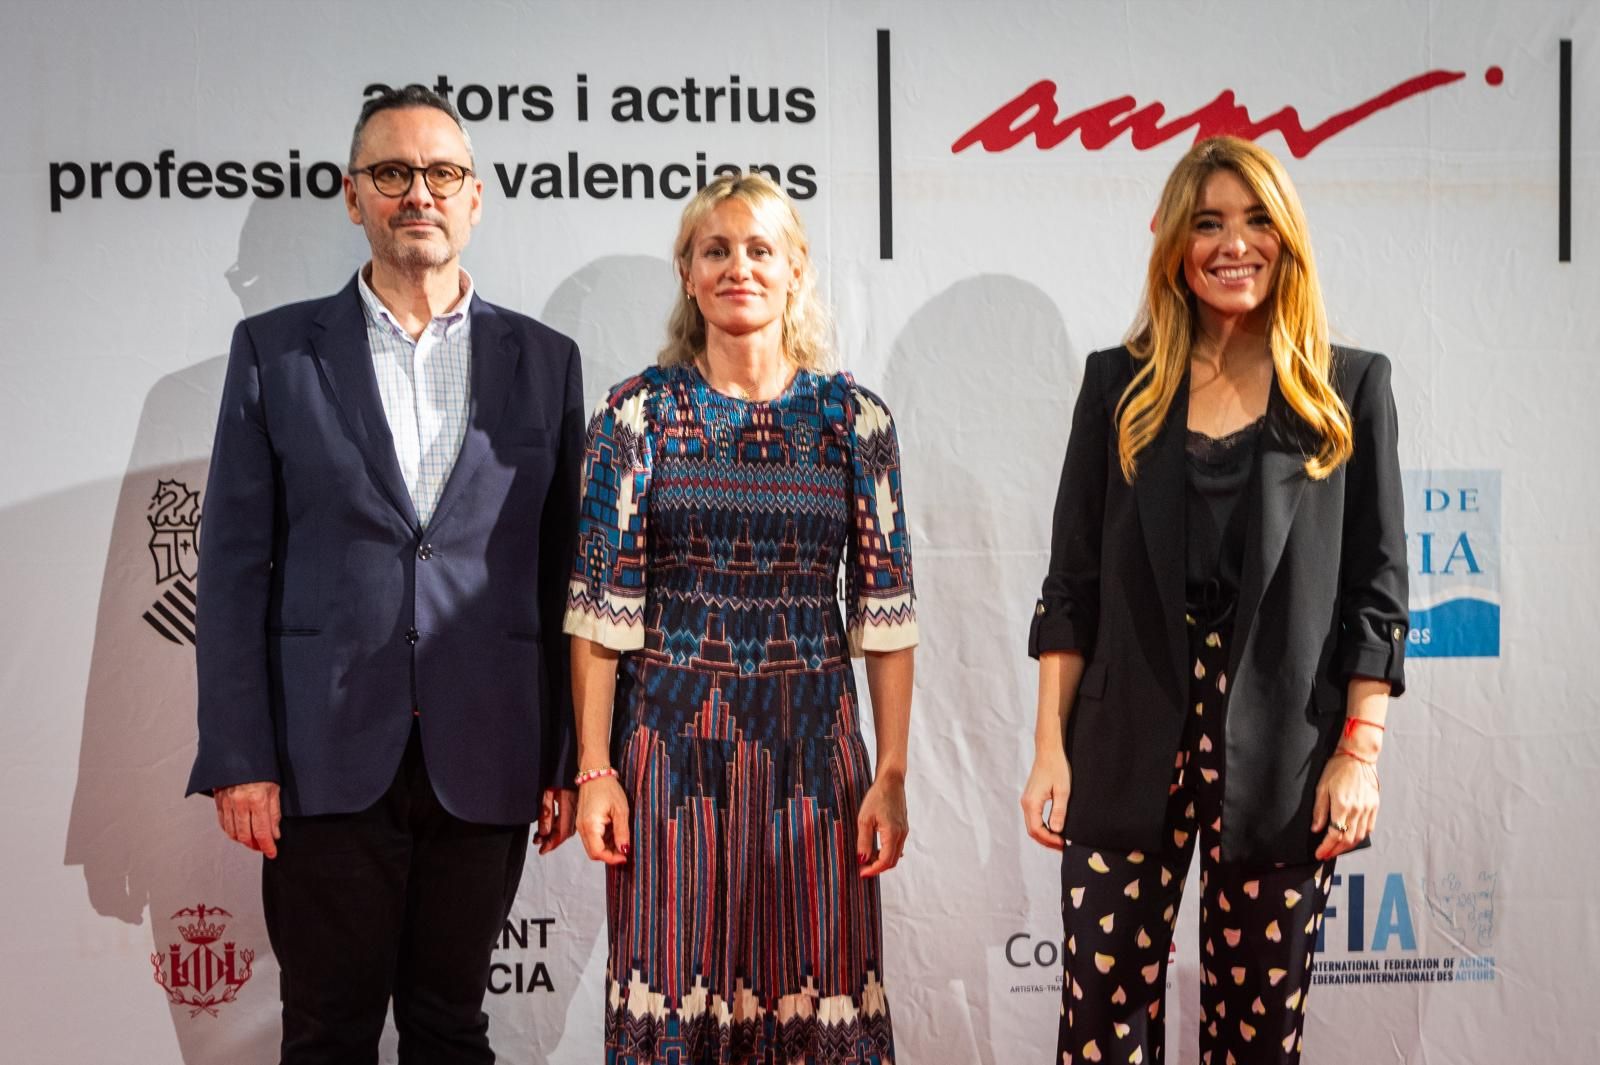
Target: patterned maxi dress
709	550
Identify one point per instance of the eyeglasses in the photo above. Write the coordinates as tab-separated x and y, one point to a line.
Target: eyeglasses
394	179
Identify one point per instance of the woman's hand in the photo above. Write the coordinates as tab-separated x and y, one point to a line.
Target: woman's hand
881	825
1050	782
1346	805
603	820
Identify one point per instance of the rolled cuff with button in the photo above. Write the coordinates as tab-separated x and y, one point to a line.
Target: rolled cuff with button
1375	651
1058	627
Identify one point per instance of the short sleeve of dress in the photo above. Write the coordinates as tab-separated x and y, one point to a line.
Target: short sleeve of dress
606	592
880	614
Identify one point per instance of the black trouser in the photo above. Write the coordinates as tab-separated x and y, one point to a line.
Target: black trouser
1258	921
401	899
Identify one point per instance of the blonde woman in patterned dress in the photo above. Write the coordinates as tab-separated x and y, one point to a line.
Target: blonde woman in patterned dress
1221	628
723	778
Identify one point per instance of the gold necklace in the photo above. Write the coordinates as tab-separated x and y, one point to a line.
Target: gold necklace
737	391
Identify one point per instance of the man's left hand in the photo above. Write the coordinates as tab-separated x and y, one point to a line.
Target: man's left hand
558	813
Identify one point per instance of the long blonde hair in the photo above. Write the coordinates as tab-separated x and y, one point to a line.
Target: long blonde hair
1164	332
807	329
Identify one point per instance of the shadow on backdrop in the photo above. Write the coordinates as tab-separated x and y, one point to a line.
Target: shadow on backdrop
616	309
141	845
981	380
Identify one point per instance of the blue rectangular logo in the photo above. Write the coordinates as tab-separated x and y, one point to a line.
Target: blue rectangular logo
1453	552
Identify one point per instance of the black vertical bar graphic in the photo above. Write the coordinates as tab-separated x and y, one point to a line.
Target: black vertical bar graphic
162	629
1564	249
1355	913
885	156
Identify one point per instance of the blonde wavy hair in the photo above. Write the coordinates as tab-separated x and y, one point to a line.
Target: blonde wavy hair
807	328
1164	332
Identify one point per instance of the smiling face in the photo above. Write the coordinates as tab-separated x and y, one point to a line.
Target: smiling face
740	271
1232	256
416	230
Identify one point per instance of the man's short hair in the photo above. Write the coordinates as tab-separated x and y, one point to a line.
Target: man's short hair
395	99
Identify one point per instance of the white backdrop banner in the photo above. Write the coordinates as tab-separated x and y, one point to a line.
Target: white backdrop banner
978	181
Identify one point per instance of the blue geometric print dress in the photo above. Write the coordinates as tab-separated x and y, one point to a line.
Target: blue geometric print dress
709	549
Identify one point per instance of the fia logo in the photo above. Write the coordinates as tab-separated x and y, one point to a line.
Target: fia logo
174	517
1347	905
200	976
1463	905
1453	551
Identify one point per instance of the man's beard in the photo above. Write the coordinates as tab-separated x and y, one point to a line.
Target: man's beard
412	254
417	254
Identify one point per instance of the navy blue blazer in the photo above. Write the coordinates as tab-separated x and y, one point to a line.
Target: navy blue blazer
1322	598
328	613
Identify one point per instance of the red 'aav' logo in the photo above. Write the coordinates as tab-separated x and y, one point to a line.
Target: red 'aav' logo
199	975
1034	113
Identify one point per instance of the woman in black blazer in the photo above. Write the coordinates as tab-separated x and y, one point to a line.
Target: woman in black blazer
1222	625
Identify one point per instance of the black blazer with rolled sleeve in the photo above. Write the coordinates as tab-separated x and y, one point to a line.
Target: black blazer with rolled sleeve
1322	599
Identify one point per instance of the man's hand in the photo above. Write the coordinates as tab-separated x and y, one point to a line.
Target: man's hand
249	813
558	813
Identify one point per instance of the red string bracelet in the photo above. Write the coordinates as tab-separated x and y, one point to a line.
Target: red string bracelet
1370	763
1352	723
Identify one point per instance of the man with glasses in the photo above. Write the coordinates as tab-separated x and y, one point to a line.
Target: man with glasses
389	520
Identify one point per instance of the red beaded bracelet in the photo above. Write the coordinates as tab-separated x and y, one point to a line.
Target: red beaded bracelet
593	774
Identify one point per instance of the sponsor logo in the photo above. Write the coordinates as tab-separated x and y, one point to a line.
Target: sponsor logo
1038	961
1035	113
174	517
1453	549
1368	933
512	972
199	974
1041	961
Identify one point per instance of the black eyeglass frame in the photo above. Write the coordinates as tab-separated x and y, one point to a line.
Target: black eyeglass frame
456	184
